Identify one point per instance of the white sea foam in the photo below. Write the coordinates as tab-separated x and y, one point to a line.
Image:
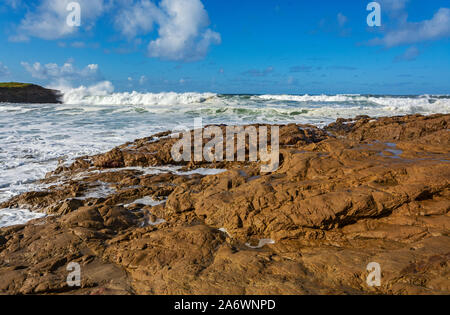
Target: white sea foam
100	190
10	217
155	170
424	104
146	201
101	94
202	171
157	222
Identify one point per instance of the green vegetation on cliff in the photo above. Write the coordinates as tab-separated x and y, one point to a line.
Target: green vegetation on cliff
14	92
13	85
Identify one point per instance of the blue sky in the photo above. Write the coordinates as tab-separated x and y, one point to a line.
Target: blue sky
246	46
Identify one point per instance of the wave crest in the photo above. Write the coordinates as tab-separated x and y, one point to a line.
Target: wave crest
102	94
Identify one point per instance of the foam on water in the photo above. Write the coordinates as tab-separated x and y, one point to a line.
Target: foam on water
101	94
154	170
146	201
202	171
157	222
10	217
99	190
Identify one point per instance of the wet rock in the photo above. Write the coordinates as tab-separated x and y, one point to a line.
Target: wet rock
69	206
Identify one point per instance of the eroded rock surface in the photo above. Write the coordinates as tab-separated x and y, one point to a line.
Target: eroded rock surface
358	191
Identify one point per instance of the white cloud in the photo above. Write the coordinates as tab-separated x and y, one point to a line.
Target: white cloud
409	33
393	5
78	44
183	32
259	73
410	54
137	18
292	81
142	80
4	71
14	3
48	20
342	19
64	75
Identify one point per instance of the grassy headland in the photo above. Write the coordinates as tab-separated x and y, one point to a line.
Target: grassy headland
14	85
15	92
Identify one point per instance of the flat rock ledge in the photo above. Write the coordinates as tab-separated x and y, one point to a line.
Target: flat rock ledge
357	191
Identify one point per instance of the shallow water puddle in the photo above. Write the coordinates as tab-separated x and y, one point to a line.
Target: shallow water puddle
253	178
148	201
261	244
102	190
203	171
157	222
396	152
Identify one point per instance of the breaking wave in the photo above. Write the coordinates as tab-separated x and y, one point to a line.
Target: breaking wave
102	94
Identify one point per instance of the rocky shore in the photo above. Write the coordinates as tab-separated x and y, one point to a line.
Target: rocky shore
28	93
357	191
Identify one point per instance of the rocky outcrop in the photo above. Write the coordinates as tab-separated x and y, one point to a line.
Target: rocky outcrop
359	191
28	93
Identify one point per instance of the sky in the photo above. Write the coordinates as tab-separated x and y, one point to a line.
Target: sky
232	47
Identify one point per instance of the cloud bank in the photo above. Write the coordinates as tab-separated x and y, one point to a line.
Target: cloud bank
48	19
393	6
4	71
183	32
436	28
65	75
410	54
136	18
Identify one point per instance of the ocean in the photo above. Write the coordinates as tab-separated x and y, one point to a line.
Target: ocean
34	138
